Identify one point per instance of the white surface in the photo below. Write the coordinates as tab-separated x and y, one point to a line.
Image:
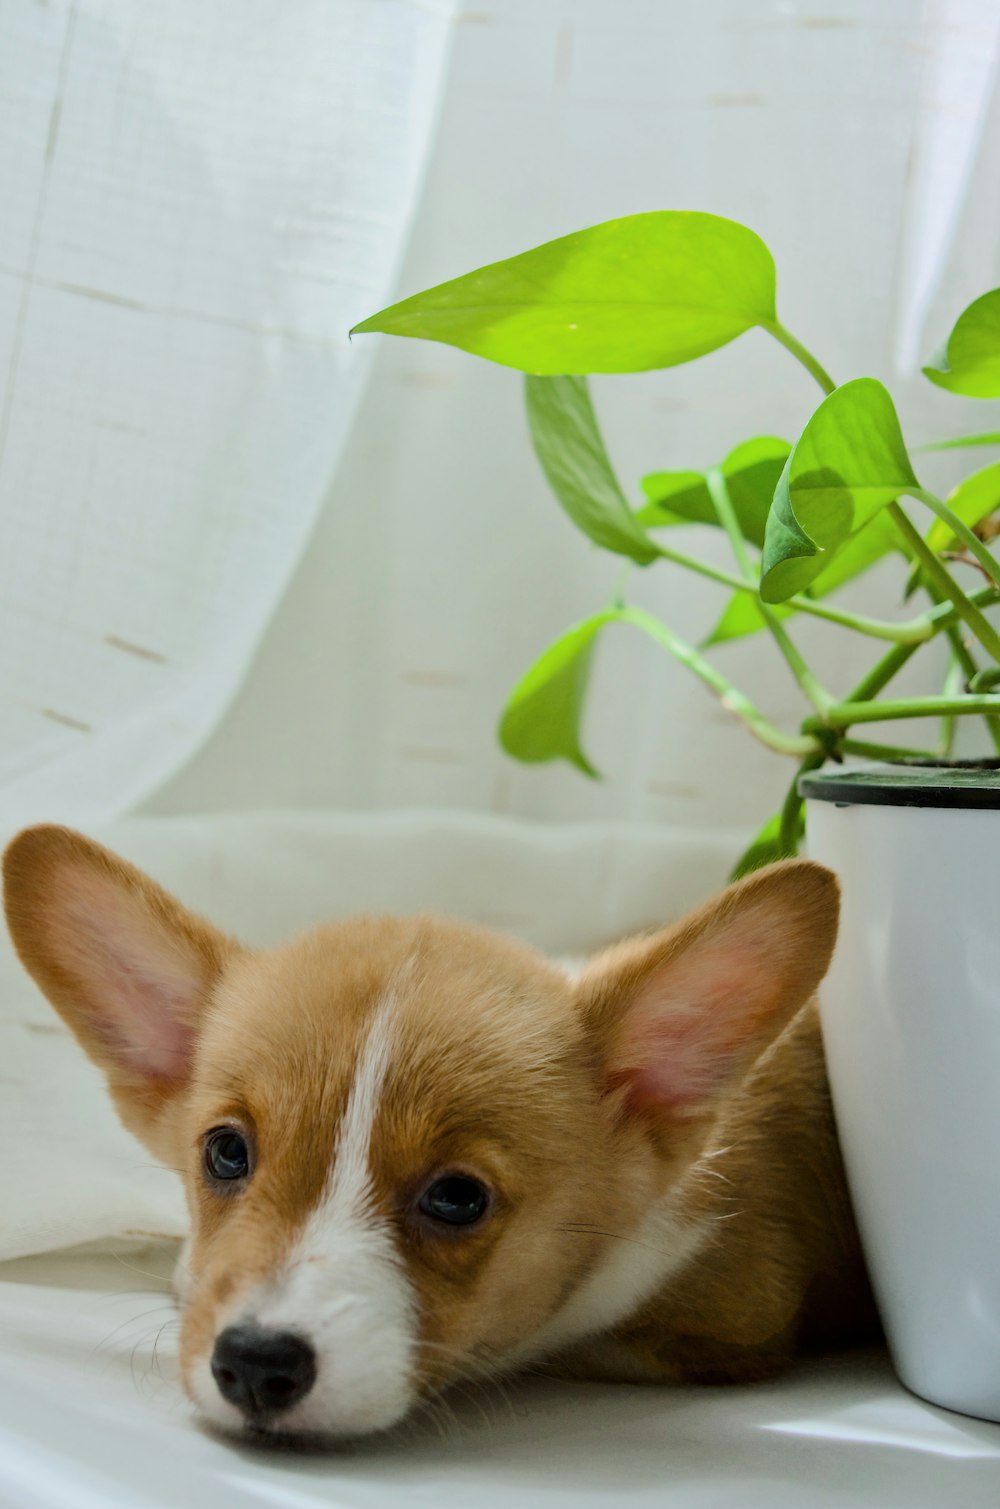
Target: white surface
199	199
911	1022
70	1174
90	1419
441	564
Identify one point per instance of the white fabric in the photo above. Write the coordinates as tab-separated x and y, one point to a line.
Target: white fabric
70	1174
92	1417
199	199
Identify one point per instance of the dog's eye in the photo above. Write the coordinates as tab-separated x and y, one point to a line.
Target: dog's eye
455	1200
226	1154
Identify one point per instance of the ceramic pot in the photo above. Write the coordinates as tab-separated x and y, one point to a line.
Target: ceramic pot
911	1025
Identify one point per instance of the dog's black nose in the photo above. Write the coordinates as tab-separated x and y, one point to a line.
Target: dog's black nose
262	1372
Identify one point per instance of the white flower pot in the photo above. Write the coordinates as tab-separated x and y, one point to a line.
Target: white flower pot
911	1024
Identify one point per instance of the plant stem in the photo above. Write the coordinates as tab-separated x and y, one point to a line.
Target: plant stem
914	631
882	673
730	696
723	503
964	659
944	583
786	338
843	714
893	661
884	751
953	682
983	680
961	531
791	807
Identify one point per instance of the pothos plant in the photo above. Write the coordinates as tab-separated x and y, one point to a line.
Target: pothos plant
660	289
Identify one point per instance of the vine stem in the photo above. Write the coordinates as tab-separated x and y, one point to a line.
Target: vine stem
801	354
913	631
723	503
961	531
843	714
963	658
944	583
799	745
884	751
791	807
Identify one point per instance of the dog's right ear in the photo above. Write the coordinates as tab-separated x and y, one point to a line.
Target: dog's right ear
125	965
680	1017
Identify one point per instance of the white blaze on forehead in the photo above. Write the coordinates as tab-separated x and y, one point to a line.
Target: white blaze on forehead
343	1287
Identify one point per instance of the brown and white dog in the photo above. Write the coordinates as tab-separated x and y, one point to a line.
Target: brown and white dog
416	1152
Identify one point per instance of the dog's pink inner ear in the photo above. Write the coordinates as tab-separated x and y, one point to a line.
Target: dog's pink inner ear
137	980
696	1020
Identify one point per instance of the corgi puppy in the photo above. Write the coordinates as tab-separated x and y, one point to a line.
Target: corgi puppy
416	1152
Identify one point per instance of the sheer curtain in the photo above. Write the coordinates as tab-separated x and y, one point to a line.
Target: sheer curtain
199	199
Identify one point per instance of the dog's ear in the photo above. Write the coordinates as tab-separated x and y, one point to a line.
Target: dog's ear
680	1017
126	966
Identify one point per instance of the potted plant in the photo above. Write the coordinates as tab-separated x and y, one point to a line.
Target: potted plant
911	1023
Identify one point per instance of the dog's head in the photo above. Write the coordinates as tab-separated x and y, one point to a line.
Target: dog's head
410	1146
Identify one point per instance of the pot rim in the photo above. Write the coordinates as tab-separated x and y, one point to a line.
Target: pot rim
908	783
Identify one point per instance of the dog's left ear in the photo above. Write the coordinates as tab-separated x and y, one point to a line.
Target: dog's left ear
680	1017
125	965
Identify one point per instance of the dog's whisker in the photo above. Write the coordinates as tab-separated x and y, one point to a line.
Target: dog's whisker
142	1272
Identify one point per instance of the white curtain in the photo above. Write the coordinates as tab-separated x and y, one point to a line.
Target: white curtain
198	199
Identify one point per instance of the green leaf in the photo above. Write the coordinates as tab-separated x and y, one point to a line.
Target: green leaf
751	472
766	847
969	361
960	442
974	499
568	444
644	291
848	463
541	720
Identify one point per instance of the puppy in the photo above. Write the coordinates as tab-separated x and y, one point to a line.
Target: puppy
416	1152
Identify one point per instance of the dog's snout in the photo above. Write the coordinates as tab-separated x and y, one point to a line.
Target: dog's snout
262	1372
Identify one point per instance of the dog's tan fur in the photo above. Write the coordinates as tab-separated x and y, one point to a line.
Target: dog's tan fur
682	1074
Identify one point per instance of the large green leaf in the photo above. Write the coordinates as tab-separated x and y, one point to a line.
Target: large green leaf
568	444
848	463
645	291
877	539
751	472
541	720
969	361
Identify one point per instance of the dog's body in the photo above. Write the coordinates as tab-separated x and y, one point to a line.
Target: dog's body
416	1152
779	1270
